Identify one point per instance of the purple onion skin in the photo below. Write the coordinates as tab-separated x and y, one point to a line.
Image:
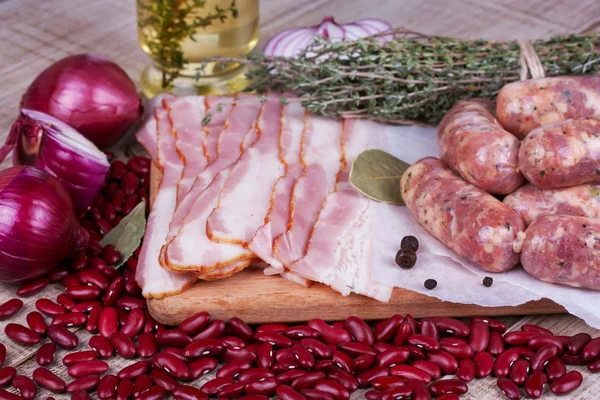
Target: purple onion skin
38	228
88	92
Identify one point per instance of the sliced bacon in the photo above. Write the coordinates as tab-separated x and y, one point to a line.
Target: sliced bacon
245	198
219	108
321	158
152	278
225	271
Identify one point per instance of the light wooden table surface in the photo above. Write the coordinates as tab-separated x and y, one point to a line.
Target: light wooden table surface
34	33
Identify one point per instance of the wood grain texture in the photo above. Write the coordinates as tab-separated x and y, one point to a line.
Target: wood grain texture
35	33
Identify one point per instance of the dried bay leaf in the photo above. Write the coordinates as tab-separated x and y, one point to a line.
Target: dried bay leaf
128	234
377	174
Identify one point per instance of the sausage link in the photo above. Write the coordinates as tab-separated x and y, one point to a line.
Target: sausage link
466	219
526	105
563	154
563	249
474	145
531	202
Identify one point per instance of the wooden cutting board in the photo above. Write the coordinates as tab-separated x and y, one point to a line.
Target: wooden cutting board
257	298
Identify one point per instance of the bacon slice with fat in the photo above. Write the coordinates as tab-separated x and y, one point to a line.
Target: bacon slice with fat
219	108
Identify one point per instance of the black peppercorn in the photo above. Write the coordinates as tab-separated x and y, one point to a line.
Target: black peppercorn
406	258
410	243
430	284
487	281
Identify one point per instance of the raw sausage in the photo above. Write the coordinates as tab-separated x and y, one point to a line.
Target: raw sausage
473	144
562	154
525	105
531	202
563	249
466	219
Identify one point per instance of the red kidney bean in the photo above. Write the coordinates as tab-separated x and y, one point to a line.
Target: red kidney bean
95	367
22	335
131	303
264	387
447	363
319	349
504	362
131	286
86	383
197	323
429	367
534	384
255	374
576	344
102	346
202	366
307	380
66	301
419	390
107	387
134	323
253	347
535	328
480	336
366	377
404	331
408	371
519	371
213	386
381	346
240	329
493	324
567	383
485	364
356	349
71	280
108	322
386	330
124	389
538	342
177	352
203	348
446	386
185	392
92	323
344	378
383	383
45	354
58	273
290	376
237	354
70	319
122	344
591	349
129	183
330	334
392	357
265	356
556	368
301	332
496	344
85	306
303	356
336	390
571	359
592	366
509	388
6	375
280	368
275	339
466	370
83	292
374	395
415	352
173	365
452	326
146	345
359	330
32	287
26	386
233	369
343	361
79	261
457	347
429	329
134	370
80	395
517	338
423	342
312	394
154	393
163	379
114	291
214	330
110	254
48	380
543	356
130	203
109	213
363	362
92	276
233	342
277	328
524	351
103	227
326	366
231	391
285	392
173	338
2	354
141	384
48	307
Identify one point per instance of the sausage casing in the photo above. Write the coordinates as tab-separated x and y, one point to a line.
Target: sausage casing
523	106
563	249
466	219
562	154
474	145
531	202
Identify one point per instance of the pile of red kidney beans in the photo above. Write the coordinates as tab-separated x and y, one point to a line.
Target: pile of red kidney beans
399	358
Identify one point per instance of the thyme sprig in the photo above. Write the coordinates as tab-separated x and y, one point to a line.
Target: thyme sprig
413	78
172	21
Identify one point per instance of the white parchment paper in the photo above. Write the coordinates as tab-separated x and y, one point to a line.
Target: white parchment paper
458	280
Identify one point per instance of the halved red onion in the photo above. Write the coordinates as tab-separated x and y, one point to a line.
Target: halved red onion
291	42
51	145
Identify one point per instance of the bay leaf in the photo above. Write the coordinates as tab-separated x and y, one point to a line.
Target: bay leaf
128	234
377	174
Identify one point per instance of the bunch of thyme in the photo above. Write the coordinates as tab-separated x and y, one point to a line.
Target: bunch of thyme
170	22
411	78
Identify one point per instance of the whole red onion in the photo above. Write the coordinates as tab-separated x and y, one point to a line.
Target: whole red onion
88	92
38	228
